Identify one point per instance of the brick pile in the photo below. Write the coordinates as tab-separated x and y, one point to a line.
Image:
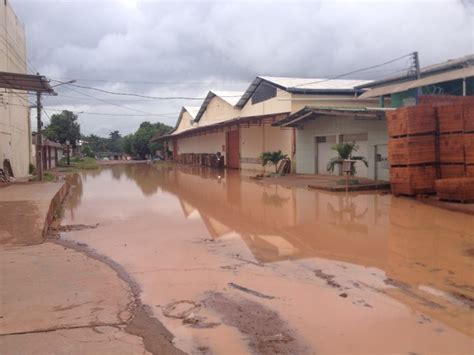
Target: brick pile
430	141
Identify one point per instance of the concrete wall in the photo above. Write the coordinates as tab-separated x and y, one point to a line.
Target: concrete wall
208	143
15	137
218	110
279	104
185	123
305	139
255	140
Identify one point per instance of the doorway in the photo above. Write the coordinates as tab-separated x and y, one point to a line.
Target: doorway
233	151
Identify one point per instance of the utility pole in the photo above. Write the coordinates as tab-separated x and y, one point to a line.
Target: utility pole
39	139
416	64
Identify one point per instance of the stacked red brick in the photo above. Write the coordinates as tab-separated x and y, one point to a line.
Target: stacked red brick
412	149
431	141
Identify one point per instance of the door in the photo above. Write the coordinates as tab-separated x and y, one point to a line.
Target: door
324	153
175	149
233	151
382	171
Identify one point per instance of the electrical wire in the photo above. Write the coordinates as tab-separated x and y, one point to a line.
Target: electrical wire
109	102
118	114
157	82
353	72
139	95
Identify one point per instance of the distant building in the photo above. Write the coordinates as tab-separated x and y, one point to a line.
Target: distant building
51	155
241	126
15	128
453	77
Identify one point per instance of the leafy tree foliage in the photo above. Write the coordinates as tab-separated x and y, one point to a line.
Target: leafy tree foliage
138	144
272	158
344	152
63	127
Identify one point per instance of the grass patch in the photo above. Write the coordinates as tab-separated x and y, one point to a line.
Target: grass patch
47	177
78	164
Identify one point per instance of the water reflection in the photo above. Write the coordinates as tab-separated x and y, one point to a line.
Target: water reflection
420	248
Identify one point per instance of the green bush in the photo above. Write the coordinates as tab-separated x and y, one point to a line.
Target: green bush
272	158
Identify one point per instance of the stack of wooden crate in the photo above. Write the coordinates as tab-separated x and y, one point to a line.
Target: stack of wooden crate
412	149
431	141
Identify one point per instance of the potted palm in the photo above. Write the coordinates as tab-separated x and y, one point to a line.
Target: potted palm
345	153
272	158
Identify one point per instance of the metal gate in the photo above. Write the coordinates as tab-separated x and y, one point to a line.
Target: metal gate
233	151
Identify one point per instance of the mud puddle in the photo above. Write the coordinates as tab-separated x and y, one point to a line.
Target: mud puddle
360	273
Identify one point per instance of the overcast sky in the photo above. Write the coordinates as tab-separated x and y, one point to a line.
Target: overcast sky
164	48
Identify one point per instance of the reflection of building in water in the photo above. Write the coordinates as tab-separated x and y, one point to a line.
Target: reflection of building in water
420	247
274	220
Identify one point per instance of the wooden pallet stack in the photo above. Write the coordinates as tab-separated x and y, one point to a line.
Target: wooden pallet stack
412	149
430	142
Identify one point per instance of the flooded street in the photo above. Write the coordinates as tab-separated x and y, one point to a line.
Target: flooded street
231	265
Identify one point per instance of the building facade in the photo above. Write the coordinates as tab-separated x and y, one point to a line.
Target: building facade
241	126
15	128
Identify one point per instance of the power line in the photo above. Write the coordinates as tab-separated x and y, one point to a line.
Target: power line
109	102
85	98
353	72
159	82
119	114
143	96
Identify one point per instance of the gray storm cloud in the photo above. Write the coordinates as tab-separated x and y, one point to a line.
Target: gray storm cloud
189	47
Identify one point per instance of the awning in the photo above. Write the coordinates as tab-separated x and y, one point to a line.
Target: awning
309	113
429	80
275	117
26	82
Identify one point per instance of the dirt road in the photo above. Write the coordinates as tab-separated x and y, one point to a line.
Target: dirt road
229	265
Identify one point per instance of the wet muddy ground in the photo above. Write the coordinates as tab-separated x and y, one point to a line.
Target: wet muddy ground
231	265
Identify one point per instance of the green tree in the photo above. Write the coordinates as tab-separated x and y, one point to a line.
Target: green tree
272	158
128	144
344	152
63	127
115	142
140	143
87	151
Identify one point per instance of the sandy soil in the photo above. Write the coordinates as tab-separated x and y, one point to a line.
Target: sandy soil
231	266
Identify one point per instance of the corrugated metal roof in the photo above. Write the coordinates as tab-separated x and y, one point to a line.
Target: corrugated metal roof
192	110
315	83
309	112
451	64
231	97
304	86
429	80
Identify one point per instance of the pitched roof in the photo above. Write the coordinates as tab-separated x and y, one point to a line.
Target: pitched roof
231	97
449	65
192	110
304	86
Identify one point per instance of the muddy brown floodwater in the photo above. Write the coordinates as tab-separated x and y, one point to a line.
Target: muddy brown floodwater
232	266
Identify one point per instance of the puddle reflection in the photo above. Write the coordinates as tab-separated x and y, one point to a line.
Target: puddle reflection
419	247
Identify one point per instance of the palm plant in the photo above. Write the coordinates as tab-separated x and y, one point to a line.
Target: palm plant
344	152
272	158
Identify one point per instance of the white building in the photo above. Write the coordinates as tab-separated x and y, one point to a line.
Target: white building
15	130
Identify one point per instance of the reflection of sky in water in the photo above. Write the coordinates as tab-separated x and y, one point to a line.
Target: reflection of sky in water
420	250
401	236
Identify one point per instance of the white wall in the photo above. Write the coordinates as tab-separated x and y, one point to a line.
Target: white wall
255	140
279	104
15	137
208	143
322	126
